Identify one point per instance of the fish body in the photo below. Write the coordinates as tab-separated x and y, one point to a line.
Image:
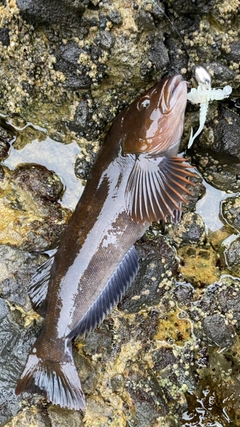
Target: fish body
136	179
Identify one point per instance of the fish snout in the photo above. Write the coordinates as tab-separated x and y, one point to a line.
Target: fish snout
175	93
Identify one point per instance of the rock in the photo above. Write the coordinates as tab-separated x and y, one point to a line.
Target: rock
4	149
4	36
6	139
67	62
218	331
149	401
191	230
14	342
207	303
230	212
30	417
51	11
158	54
222	298
232	257
115	17
82	123
200	266
221	73
226	137
16	269
39	181
233	53
228	299
59	416
144	19
29	205
157	269
197	192
184	293
163	358
189	7
105	40
83	167
218	155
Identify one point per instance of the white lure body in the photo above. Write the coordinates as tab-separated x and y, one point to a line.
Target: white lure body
203	95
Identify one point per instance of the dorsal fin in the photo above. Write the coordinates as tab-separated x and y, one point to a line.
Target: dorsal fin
111	294
156	188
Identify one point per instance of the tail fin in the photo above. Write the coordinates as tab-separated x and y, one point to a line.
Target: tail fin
58	382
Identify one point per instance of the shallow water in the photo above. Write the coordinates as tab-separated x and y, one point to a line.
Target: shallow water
209	206
54	156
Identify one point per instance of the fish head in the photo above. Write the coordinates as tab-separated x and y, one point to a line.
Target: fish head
153	124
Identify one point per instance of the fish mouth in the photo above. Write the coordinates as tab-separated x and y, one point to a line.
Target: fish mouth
175	92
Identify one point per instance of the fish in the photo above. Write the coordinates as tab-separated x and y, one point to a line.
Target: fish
137	179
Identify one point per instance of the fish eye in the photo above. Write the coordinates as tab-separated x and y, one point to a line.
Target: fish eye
144	103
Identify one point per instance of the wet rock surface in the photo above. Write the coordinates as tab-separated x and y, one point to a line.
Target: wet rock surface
31	217
46	11
6	138
157	261
218	332
232	257
169	354
39	182
17	267
230	212
189	231
220	163
15	342
67	62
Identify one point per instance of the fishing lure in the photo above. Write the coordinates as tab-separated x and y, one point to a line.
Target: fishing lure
203	95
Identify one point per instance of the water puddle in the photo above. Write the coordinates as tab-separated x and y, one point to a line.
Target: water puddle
209	206
54	156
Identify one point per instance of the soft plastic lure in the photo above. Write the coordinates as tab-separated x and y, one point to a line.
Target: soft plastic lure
203	95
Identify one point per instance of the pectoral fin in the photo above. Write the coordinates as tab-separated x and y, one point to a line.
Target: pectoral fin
156	189
110	296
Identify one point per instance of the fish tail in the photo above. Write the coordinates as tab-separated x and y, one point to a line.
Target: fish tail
57	381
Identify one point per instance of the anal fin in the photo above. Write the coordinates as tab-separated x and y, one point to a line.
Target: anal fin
114	290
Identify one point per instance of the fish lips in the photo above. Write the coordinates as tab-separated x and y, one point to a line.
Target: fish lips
167	120
174	95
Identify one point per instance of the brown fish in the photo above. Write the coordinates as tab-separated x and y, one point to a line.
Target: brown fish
137	178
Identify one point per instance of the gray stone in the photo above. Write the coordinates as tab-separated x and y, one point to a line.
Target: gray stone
218	331
51	11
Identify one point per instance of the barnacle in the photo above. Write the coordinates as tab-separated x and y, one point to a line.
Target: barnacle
203	95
